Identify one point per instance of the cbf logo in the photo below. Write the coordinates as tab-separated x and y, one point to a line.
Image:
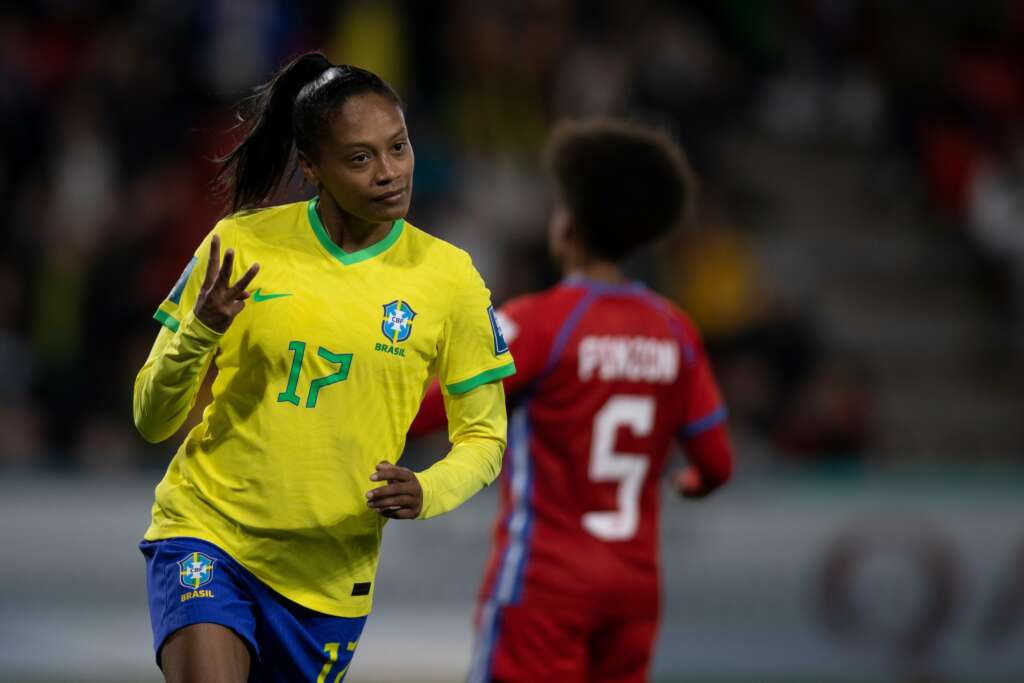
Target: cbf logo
195	570
397	325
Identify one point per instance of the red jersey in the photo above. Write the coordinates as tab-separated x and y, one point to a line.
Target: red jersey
607	377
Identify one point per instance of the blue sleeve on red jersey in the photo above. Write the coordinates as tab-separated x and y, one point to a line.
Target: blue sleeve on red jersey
699	426
703	407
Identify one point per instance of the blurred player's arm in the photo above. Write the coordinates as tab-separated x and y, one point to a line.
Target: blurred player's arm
702	431
476	428
168	383
711	463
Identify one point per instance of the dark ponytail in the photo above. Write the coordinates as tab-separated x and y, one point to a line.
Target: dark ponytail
294	108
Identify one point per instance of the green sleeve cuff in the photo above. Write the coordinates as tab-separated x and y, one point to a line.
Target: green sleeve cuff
485	377
193	326
166	319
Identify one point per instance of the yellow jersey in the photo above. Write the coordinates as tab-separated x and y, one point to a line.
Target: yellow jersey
319	378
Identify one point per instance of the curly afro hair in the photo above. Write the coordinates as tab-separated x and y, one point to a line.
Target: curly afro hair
625	184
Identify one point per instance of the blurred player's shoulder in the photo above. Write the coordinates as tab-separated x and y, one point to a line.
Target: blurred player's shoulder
680	322
549	304
555	305
683	318
539	314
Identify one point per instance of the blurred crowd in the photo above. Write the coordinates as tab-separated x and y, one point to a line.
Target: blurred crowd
113	111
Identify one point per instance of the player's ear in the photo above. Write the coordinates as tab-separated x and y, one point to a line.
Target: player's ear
308	170
571	230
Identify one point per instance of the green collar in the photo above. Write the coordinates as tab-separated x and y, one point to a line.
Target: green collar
342	255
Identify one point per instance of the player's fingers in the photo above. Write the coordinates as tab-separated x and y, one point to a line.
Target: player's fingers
395	473
399	513
377	476
213	263
394	489
383	491
389	472
402	500
225	269
236	289
399	499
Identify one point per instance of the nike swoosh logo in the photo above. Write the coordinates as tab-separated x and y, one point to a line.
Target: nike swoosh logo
258	295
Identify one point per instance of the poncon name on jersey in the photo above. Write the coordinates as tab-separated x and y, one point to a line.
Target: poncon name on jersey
638	359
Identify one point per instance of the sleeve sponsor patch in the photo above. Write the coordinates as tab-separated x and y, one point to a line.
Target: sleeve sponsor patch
179	286
500	345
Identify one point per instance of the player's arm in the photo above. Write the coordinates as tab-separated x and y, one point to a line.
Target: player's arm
523	343
168	383
702	432
473	359
476	428
711	462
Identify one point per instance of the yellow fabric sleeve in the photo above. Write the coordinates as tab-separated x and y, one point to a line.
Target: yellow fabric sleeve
167	385
476	428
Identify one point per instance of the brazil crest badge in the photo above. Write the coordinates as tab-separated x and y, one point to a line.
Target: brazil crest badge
195	570
397	324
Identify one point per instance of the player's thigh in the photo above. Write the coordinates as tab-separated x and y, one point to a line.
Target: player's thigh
531	643
620	652
201	599
203	653
300	644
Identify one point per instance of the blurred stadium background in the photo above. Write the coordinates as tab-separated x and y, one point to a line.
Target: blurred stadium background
857	266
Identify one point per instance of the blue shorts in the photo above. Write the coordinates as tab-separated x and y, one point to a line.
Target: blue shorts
191	581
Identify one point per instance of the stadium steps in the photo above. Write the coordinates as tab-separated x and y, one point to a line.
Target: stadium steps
887	287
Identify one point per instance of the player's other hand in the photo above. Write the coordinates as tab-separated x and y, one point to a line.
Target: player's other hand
402	498
219	302
690	484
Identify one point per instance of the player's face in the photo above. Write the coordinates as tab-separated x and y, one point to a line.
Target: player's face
366	164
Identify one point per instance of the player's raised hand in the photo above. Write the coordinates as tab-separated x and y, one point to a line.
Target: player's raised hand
219	302
402	498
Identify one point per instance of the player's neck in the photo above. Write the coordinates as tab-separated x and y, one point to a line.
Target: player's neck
596	271
347	231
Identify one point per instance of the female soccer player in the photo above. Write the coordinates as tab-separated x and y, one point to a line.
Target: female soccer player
266	528
609	374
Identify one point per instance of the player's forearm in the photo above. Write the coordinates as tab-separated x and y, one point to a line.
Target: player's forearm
476	426
467	468
711	453
167	386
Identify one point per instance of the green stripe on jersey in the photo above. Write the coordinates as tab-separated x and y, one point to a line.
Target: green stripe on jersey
484	377
166	319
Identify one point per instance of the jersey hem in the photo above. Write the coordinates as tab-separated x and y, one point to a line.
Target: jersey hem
482	378
166	319
154	533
